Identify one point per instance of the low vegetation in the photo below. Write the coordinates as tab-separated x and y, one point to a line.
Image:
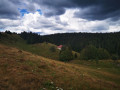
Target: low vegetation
22	70
92	53
66	54
42	49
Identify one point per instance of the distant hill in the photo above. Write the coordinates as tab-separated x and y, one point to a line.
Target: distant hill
11	39
42	49
78	41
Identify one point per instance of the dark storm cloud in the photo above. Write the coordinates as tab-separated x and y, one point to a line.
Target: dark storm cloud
90	9
8	10
98	9
52	12
55	7
55	3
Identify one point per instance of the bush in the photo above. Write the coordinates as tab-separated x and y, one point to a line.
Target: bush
65	54
8	32
75	55
92	53
114	57
103	54
88	53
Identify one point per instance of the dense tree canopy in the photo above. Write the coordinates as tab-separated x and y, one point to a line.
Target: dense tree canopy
30	37
78	41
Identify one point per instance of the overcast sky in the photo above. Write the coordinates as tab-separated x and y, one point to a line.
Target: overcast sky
60	16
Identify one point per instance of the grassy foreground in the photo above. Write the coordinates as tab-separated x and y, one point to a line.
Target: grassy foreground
21	70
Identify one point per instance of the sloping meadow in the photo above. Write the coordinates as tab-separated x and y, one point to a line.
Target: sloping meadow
23	70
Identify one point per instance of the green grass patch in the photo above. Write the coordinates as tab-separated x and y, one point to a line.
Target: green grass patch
41	49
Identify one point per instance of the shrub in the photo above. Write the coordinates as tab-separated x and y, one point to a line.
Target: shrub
103	54
75	55
114	57
8	32
65	54
90	52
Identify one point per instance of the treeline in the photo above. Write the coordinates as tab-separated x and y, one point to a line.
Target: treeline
31	38
80	42
110	42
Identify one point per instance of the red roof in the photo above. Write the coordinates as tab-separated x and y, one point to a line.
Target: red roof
60	46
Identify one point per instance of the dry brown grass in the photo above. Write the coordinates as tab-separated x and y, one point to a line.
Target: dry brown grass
25	71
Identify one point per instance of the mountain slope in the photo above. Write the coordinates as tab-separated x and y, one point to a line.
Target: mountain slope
23	70
42	49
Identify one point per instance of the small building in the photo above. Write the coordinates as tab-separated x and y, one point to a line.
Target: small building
60	47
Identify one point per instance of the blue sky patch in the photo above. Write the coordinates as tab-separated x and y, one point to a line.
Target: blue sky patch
23	11
40	12
1	30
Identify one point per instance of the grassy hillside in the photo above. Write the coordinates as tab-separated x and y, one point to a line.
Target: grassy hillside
11	39
21	70
106	67
42	49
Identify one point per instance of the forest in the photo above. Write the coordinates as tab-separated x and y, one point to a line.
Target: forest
78	41
104	42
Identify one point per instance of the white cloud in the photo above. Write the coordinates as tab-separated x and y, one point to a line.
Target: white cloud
57	24
33	22
83	25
